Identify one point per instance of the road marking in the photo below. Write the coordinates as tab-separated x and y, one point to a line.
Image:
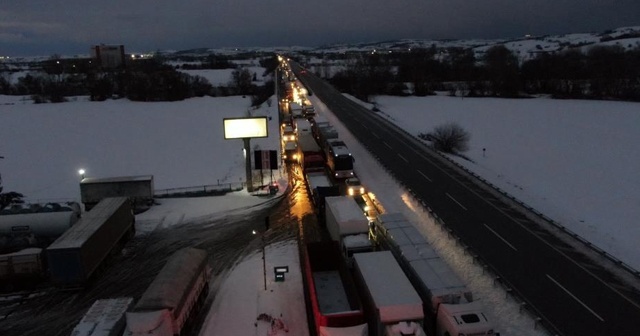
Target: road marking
425	176
375	135
402	157
453	199
575	298
386	144
501	238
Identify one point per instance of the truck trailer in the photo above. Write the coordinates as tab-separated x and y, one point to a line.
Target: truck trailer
450	308
309	153
320	187
347	225
334	298
392	305
76	255
176	293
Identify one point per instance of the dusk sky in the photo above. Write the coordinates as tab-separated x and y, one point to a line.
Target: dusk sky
47	27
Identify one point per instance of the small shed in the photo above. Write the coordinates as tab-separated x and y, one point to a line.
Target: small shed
139	189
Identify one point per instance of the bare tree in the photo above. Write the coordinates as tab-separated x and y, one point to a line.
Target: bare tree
448	138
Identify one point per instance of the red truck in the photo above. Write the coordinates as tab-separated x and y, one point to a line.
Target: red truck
331	288
310	155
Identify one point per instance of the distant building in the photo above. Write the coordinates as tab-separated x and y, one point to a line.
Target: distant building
109	56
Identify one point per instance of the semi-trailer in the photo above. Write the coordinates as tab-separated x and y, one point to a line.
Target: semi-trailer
392	305
347	225
337	307
105	317
175	295
309	153
76	255
320	187
450	308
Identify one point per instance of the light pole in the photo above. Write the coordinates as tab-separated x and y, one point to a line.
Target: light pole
81	172
264	261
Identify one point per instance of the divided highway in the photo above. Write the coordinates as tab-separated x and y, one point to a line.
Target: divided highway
572	294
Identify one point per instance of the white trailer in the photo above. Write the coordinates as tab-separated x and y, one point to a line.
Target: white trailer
104	318
394	307
347	224
450	305
177	291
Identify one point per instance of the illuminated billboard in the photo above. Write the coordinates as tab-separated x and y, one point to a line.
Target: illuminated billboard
241	128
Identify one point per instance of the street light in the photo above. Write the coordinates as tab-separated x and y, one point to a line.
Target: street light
81	172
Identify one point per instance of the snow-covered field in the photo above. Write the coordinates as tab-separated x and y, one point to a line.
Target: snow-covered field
576	161
573	160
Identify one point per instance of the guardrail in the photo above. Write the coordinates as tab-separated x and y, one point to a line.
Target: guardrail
197	191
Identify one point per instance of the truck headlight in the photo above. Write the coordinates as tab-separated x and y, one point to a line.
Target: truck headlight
361	190
350	191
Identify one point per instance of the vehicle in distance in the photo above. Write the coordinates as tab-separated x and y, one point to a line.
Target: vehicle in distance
288	133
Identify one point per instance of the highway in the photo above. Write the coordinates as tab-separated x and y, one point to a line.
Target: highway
570	293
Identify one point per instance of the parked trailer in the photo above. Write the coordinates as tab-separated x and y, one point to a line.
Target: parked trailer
175	294
393	306
139	189
104	318
80	251
450	307
334	297
21	268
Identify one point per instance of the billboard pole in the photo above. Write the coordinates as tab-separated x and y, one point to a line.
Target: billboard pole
247	151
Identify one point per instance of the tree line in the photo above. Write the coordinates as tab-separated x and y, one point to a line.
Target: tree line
152	79
601	72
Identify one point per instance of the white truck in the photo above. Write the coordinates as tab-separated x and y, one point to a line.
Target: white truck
173	297
348	225
392	304
450	306
296	110
104	318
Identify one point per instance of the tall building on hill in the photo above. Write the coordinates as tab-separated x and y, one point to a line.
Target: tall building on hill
109	56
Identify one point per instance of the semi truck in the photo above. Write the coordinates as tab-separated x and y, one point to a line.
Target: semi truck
76	255
309	153
175	295
450	308
105	317
392	305
347	225
320	187
334	297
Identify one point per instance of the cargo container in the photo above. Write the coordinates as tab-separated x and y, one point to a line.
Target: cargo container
139	189
80	251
